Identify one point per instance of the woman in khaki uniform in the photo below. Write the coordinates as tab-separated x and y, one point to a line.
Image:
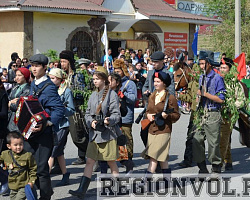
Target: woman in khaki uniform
158	144
102	117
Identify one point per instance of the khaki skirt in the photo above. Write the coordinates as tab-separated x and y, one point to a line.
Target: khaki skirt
157	147
105	151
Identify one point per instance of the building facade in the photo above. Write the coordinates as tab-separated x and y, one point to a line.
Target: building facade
29	27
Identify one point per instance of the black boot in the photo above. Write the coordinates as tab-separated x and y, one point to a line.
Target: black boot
216	168
104	166
81	191
64	181
228	166
203	167
166	171
185	164
166	176
158	168
129	164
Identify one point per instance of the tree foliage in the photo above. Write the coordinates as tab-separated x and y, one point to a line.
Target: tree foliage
224	34
52	55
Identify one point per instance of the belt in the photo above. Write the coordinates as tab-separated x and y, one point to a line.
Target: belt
213	110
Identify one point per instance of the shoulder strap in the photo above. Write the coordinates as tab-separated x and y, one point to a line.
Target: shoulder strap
11	154
166	102
125	86
39	91
22	169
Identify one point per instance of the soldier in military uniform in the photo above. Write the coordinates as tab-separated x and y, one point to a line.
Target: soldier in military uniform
212	95
226	128
190	97
21	175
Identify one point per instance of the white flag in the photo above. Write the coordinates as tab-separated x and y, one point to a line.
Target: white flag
104	40
105	36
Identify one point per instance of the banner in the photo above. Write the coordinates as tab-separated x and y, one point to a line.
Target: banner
175	44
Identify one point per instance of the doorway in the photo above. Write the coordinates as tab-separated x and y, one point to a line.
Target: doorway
114	45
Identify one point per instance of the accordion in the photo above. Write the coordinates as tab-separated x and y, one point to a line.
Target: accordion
29	113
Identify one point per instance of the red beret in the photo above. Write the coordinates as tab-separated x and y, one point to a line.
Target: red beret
25	72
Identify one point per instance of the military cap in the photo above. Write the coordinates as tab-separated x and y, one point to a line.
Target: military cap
83	61
157	56
39	59
164	77
103	70
209	57
203	55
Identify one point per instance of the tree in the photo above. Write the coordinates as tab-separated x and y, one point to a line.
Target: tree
52	55
223	36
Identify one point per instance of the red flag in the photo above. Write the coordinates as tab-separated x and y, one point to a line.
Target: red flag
241	61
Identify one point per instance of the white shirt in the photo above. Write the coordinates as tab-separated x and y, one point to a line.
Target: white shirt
40	80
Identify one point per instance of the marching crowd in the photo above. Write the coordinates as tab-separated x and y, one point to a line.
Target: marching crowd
103	131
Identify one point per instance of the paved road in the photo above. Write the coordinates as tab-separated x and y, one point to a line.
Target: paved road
240	156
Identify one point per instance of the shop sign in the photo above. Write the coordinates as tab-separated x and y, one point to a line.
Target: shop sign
175	43
191	7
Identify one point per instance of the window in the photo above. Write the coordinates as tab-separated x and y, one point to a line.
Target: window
82	44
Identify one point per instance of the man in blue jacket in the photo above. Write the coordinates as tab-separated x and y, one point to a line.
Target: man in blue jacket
212	95
40	143
130	93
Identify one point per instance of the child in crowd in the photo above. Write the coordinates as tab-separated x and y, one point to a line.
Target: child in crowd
131	72
150	65
4	79
20	164
57	76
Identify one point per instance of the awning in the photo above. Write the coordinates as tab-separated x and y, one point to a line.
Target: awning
138	25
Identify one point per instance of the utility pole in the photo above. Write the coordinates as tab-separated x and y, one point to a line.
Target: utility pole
237	27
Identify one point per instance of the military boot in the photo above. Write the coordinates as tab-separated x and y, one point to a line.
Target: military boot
81	191
203	167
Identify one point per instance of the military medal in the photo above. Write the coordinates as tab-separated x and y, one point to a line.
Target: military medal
11	166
